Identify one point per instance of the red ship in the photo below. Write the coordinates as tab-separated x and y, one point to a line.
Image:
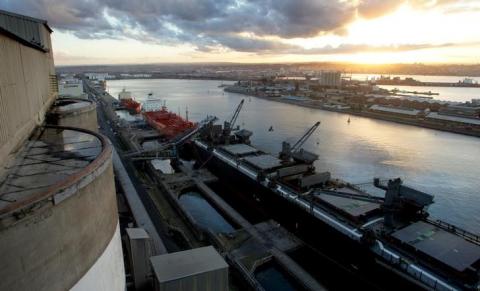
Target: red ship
131	105
127	101
168	123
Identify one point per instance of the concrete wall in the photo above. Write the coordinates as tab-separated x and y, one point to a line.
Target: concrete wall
27	88
108	272
87	120
85	117
53	246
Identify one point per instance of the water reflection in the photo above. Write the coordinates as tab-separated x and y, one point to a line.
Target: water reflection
440	163
273	279
205	215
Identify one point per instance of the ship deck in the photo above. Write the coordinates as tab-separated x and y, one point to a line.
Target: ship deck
251	165
437	243
239	149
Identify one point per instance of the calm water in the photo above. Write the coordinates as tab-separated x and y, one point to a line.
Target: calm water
445	93
444	164
423	78
272	279
205	215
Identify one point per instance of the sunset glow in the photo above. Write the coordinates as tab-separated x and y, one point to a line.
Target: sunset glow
366	32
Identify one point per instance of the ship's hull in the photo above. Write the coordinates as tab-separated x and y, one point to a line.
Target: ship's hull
353	256
328	232
132	106
167	123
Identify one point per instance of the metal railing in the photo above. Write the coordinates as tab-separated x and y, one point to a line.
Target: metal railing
456	230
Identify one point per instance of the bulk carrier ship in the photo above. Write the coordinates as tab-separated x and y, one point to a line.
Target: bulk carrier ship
392	232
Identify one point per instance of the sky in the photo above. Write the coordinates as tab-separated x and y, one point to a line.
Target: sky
255	31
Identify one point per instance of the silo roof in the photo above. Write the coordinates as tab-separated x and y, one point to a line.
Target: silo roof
24	29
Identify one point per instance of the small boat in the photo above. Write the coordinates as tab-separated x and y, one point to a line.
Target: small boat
271	128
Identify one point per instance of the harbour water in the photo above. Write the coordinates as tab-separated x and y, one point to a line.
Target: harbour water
422	78
457	94
445	93
273	279
205	215
443	164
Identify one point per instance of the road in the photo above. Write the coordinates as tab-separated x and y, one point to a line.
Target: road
107	128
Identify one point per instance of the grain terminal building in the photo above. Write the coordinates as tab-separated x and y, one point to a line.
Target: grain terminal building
58	213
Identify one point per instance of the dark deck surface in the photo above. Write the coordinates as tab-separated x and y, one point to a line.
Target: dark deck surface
239	149
263	162
444	246
350	206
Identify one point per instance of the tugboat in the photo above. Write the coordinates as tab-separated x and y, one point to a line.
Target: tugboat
165	122
127	101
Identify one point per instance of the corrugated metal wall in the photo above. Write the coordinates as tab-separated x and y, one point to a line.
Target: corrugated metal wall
215	280
23	27
25	90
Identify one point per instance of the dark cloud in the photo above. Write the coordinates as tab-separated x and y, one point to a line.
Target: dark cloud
206	24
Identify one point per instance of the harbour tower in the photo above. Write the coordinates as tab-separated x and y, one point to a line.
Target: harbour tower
58	213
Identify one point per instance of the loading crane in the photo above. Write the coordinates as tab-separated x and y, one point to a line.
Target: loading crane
216	134
399	200
296	152
228	125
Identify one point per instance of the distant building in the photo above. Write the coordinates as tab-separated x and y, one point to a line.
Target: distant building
330	78
126	75
397	111
464	110
99	76
71	87
452	119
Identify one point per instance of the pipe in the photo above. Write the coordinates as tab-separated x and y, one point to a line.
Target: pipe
411	269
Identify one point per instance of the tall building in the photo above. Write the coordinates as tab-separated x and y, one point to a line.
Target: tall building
330	78
58	213
71	87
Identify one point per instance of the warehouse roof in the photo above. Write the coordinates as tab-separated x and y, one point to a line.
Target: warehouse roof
445	117
173	266
412	112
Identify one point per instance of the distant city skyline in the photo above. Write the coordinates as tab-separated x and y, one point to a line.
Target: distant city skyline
361	31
